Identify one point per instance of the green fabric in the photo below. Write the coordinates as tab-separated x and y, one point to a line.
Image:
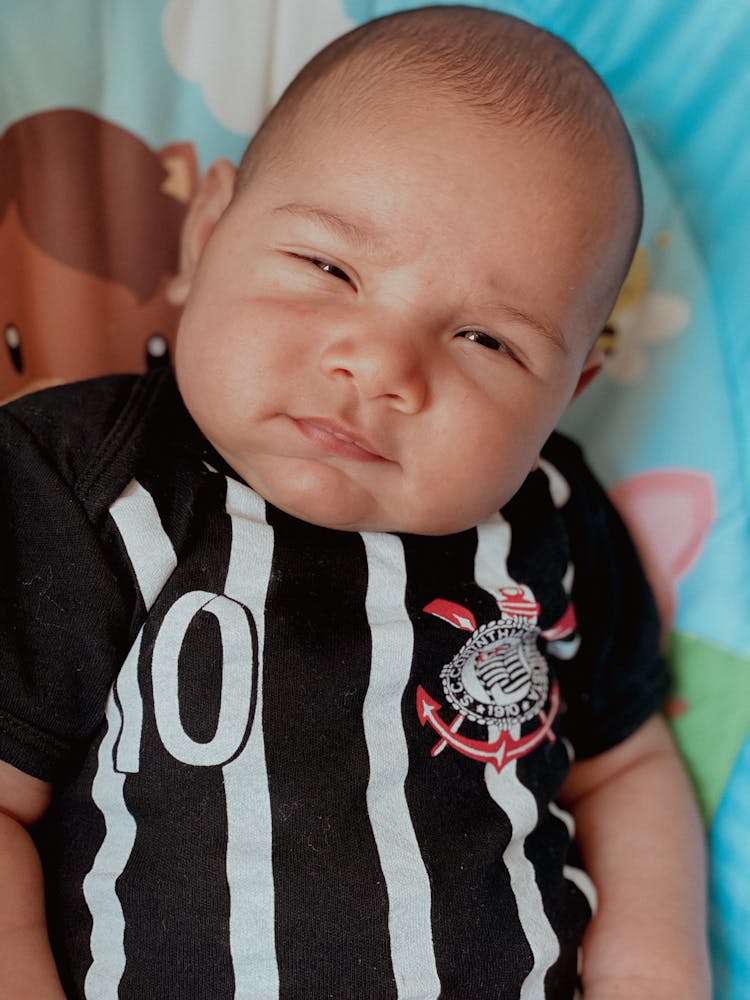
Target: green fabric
710	712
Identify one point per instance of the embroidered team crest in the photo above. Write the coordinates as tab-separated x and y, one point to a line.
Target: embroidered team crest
498	679
499	676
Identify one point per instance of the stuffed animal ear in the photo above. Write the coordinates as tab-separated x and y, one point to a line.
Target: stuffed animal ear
206	208
182	179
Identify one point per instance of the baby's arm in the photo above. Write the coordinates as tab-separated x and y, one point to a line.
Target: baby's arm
27	969
642	843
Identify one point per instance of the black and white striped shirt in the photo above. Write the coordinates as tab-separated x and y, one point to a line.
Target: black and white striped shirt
294	762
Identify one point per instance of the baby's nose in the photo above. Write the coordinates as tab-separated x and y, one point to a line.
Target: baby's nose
380	366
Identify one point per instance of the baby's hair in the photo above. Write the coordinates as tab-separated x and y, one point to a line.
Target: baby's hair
494	63
509	72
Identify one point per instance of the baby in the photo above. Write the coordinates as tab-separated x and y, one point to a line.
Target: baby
299	643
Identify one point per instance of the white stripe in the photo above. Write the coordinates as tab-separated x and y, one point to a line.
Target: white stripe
579	878
564	817
576	875
564	649
558	484
249	857
149	548
519	805
128	751
153	560
406	880
108	928
491	558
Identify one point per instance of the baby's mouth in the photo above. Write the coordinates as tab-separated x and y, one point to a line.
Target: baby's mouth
338	440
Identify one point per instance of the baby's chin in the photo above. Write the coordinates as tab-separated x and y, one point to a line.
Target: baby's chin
329	496
333	514
372	518
331	511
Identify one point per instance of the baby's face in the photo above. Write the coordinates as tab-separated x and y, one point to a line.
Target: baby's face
384	328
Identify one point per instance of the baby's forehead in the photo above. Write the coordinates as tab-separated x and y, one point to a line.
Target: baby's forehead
374	84
403	109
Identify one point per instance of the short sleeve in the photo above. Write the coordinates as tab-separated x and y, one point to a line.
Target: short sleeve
619	677
62	613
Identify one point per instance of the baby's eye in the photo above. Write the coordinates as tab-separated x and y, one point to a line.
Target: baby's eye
485	340
331	269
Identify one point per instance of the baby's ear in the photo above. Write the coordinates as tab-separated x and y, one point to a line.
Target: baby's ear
591	368
211	199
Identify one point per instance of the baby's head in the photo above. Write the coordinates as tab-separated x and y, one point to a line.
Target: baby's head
388	312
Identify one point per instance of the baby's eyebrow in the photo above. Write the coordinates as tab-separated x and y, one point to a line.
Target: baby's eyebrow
375	242
360	233
541	324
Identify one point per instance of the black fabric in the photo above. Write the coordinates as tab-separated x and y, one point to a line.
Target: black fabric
183	803
611	677
329	901
453	816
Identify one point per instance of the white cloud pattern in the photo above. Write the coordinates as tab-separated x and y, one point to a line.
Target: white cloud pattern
242	53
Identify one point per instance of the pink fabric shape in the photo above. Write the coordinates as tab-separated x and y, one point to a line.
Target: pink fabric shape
669	513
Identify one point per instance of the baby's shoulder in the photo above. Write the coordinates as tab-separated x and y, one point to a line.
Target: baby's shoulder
72	409
73	427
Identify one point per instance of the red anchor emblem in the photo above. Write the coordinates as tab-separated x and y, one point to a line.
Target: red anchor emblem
496	753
